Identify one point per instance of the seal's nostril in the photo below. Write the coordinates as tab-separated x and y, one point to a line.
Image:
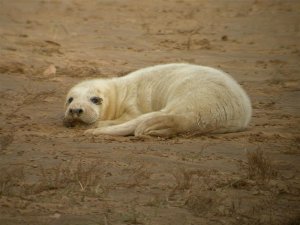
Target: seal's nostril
76	111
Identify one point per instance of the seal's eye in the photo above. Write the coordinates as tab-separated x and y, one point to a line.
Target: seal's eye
70	100
96	100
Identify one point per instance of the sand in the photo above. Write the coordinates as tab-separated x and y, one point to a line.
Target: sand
50	174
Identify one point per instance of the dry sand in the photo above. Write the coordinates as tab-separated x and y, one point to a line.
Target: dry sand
50	174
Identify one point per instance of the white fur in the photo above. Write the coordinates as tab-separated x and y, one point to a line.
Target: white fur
165	100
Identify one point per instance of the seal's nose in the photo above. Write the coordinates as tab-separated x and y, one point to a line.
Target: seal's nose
76	111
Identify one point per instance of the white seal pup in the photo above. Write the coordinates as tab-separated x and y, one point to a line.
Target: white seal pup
163	100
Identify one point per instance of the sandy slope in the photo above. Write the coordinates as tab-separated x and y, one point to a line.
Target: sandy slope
54	175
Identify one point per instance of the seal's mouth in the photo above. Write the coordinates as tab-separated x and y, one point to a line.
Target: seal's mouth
67	122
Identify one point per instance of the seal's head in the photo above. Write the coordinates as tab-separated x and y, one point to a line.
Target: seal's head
83	104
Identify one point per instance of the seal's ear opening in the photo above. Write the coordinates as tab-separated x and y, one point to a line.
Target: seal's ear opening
96	100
